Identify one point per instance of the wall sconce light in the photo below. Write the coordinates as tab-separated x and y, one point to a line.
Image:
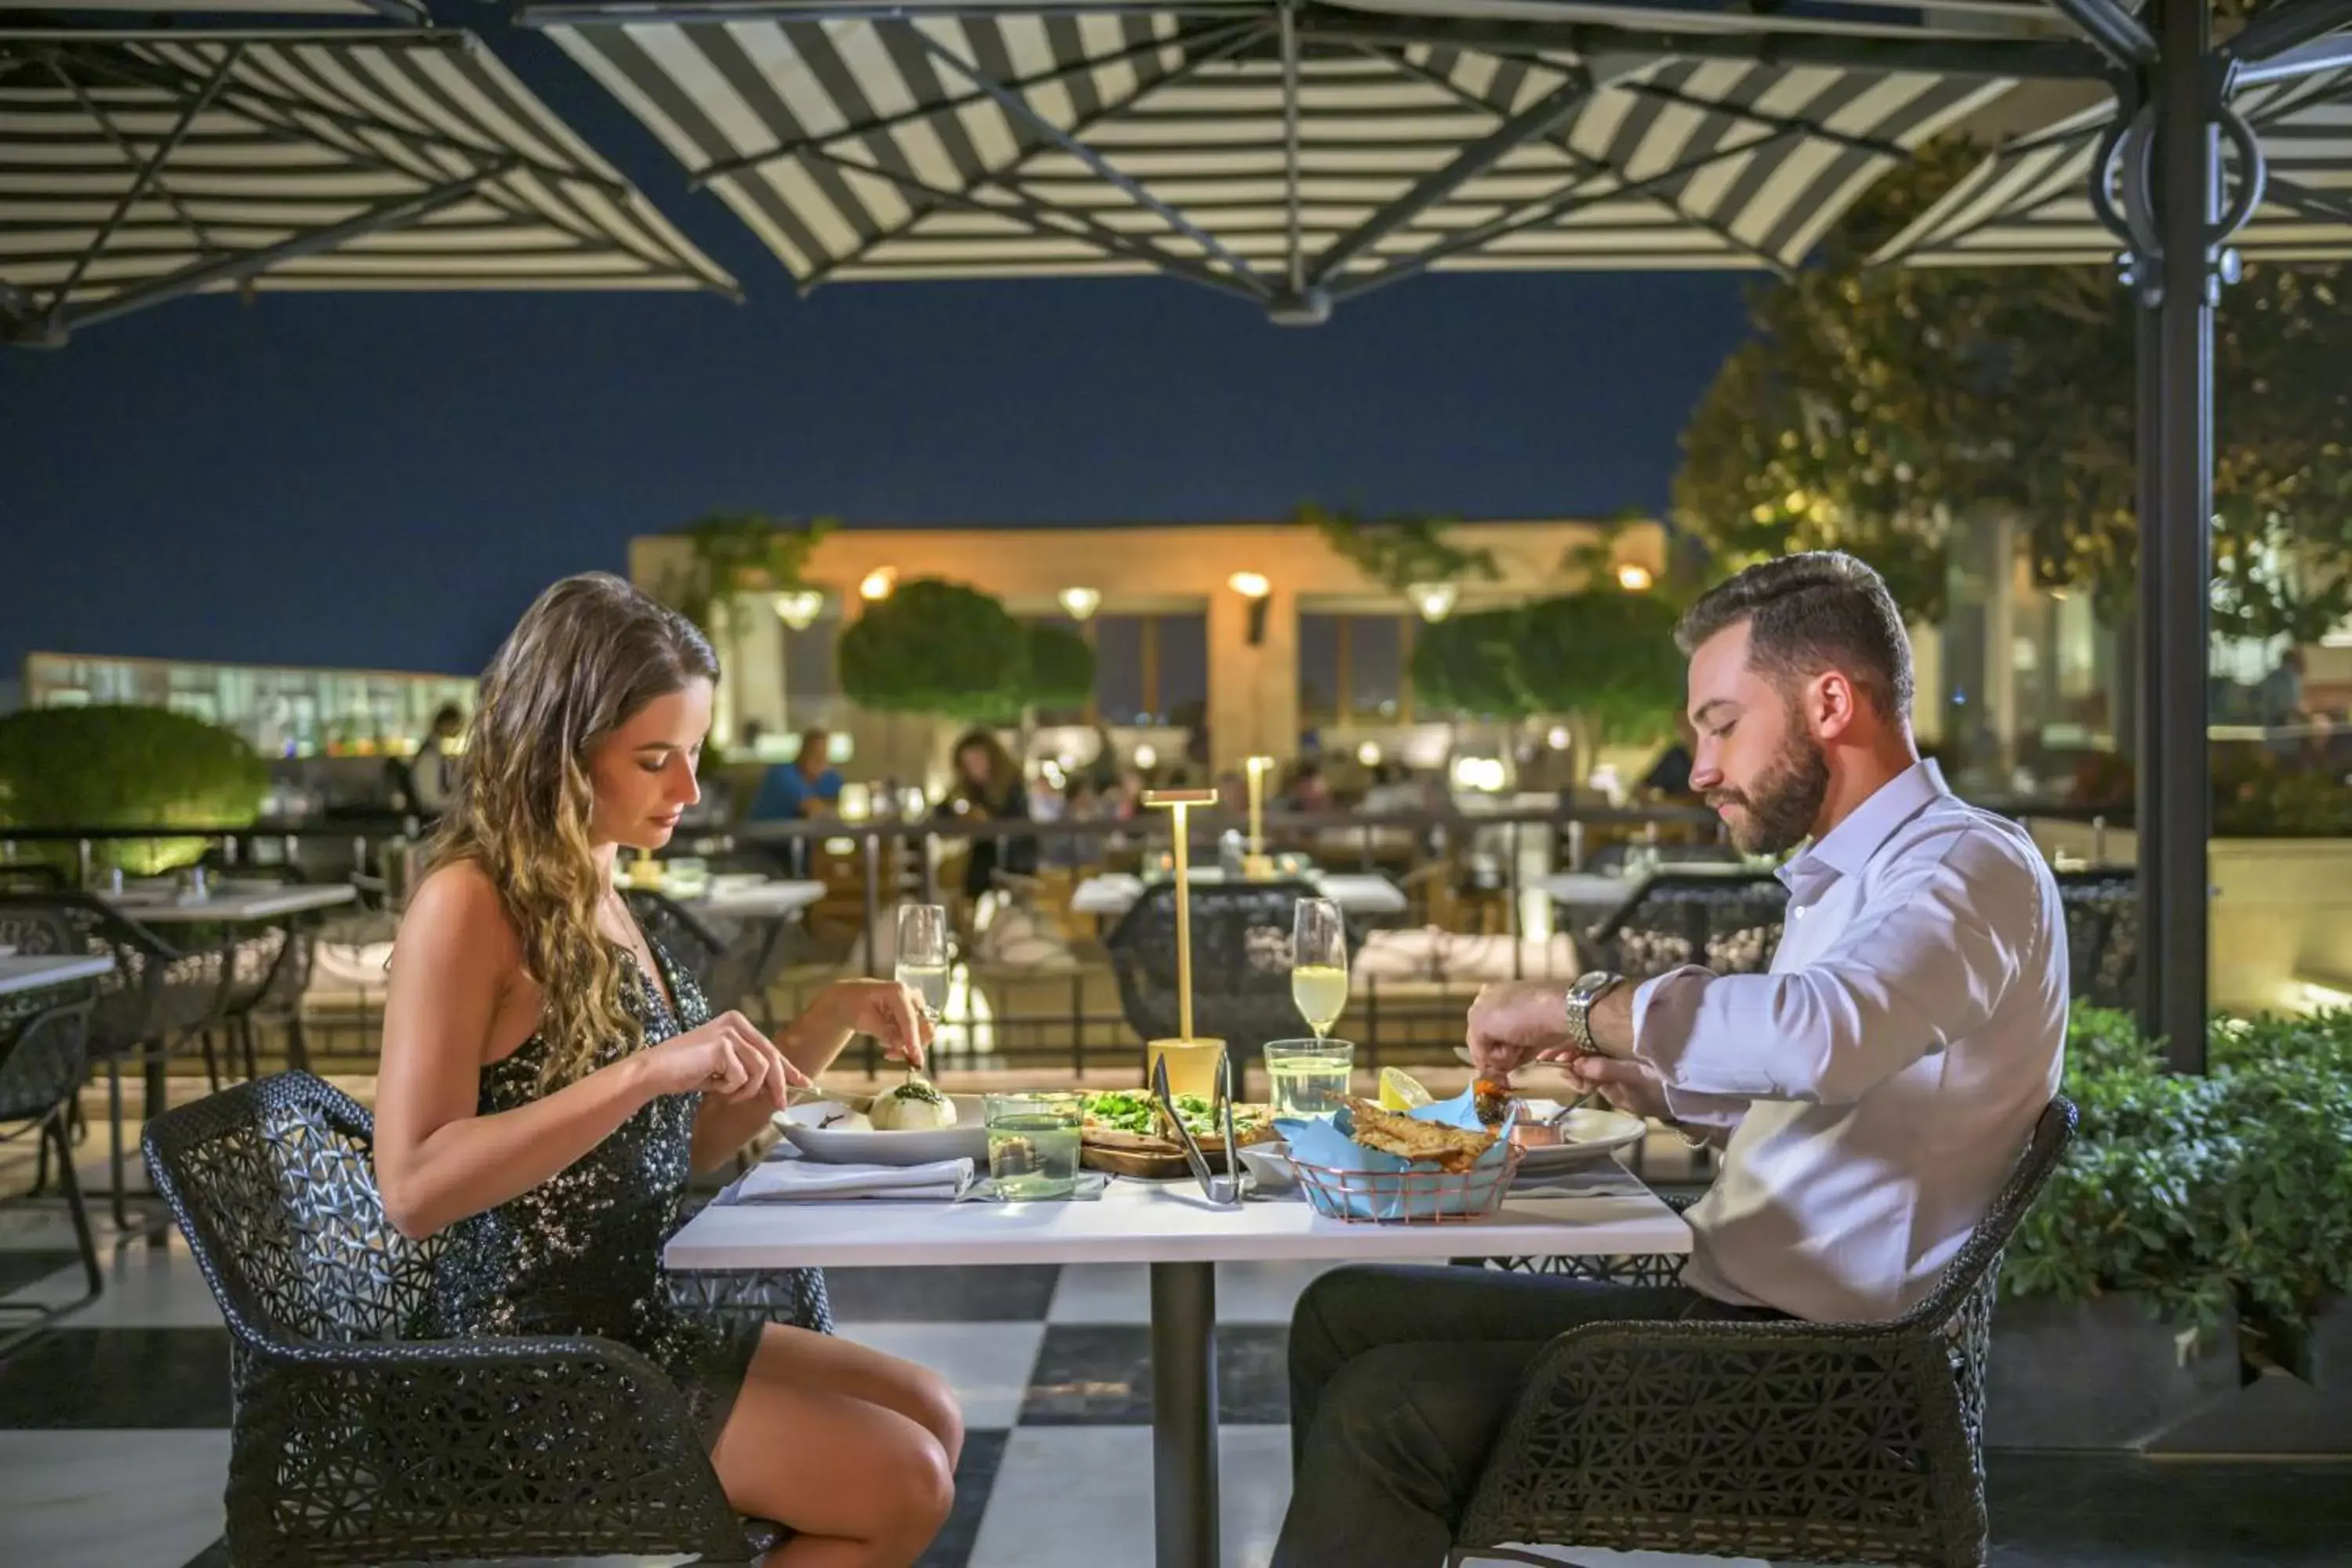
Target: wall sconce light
878	584
1368	755
1634	577
1253	587
800	608
1434	600
1147	757
1081	602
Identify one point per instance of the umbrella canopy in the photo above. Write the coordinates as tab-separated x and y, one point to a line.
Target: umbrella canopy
2031	201
140	166
1293	154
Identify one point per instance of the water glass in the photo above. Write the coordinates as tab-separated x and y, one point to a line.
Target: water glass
1308	1078
1032	1143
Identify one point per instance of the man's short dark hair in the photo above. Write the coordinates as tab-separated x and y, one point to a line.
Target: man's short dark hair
1819	610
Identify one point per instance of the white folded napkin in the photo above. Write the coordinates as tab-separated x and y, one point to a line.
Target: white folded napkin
773	1181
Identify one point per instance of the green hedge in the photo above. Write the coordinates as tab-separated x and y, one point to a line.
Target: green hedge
2201	1193
124	766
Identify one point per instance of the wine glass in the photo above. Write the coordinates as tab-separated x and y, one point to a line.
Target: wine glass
923	957
1318	964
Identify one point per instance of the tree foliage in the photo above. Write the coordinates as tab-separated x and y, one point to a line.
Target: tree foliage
1400	551
1874	410
1464	665
936	647
953	651
1060	672
740	553
1604	655
109	765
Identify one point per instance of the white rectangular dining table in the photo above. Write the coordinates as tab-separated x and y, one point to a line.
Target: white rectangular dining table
32	971
231	905
1171	1227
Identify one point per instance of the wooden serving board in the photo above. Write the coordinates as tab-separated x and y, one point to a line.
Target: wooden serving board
1157	1158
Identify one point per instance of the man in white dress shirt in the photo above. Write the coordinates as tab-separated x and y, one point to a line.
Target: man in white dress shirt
1870	1093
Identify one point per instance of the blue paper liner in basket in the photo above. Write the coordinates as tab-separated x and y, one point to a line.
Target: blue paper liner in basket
1344	1180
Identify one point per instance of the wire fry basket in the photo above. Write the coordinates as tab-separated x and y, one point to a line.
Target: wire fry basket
1412	1197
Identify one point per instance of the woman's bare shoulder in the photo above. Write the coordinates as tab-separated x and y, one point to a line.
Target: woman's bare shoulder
457	908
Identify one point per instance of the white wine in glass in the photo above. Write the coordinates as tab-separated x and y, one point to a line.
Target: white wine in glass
922	961
1318	967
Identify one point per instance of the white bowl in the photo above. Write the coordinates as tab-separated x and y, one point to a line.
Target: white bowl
1589	1136
967	1139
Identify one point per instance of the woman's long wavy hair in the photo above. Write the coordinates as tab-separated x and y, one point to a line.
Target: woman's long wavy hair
581	663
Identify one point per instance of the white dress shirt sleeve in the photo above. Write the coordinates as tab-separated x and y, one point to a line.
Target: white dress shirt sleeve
1966	920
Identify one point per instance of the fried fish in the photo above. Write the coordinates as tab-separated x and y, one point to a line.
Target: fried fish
1452	1149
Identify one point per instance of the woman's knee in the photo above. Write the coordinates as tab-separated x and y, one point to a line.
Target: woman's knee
934	1407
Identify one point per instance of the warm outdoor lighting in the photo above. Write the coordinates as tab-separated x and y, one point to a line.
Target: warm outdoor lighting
1081	602
1250	585
1634	577
1368	753
1258	768
1434	601
879	584
1559	739
1147	757
800	608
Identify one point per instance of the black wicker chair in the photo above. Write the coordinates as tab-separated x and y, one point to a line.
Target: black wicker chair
352	1446
1726	923
1795	1442
155	997
1240	963
724	959
41	1045
2102	935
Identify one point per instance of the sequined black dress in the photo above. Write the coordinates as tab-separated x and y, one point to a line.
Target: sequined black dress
580	1253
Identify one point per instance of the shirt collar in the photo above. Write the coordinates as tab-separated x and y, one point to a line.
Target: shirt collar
1848	846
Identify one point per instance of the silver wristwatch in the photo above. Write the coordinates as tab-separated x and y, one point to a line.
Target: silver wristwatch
1589	987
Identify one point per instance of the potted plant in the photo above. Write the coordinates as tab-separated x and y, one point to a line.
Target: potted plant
109	765
2201	1227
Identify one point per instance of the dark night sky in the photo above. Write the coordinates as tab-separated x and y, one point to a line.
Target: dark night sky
385	481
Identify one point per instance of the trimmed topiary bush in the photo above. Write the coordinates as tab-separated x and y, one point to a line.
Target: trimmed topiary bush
126	766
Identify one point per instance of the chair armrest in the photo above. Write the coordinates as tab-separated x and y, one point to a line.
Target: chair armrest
1778	1439
571	1446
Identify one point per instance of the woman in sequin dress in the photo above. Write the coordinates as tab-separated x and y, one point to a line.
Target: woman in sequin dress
548	1080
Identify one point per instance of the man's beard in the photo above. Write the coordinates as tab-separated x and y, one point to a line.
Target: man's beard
1786	802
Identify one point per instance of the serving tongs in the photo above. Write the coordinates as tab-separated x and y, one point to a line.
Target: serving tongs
1225	1192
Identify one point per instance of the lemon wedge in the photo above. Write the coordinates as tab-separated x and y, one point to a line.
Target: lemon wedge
1402	1091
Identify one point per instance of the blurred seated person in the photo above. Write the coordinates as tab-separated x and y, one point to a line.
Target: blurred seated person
1669	777
988	787
433	771
1308	790
808	785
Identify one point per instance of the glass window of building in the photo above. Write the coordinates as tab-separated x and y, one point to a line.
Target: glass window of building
1151	669
283	712
1354	668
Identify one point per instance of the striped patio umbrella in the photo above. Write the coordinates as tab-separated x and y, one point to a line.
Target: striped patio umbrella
1293	154
138	166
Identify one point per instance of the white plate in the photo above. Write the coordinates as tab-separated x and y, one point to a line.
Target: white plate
967	1139
1590	1136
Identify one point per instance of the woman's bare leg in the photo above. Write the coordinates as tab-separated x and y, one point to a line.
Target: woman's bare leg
853	1449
